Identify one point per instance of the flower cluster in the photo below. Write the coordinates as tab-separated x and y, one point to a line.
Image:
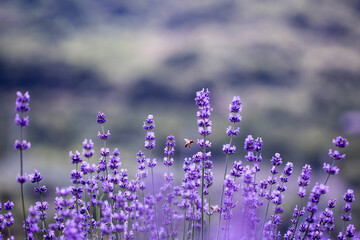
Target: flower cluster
106	202
6	219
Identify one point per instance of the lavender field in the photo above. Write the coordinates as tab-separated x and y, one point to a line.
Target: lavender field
224	119
105	202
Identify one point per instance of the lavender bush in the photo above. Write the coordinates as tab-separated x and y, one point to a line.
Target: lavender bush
104	202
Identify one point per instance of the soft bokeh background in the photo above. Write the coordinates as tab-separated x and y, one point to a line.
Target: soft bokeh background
295	65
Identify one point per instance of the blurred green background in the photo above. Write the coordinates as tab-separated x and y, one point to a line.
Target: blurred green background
295	65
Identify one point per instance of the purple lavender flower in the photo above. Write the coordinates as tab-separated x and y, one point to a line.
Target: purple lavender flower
22	179
114	161
8	205
22	102
340	142
336	156
21	107
237	169
36	177
288	169
22	122
104	136
150	136
258	144
22	145
169	151
227	149
75	157
331	170
88	148
151	162
231	131
114	207
294	222
349	196
249	144
101	118
276	160
203	101
350	231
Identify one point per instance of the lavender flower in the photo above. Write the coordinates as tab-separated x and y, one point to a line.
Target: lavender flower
202	100
350	231
113	205
228	149
22	102
276	161
249	144
339	142
278	199
169	151
101	118
312	206
149	125
22	107
88	148
349	197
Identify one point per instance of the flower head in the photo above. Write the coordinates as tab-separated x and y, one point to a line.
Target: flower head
349	196
101	118
36	177
22	102
276	160
340	142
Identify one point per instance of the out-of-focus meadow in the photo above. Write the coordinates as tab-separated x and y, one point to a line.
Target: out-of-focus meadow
295	65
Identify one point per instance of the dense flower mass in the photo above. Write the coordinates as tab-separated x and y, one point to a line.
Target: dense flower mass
107	201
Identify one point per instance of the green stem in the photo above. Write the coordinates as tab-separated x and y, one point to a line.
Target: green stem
223	188
202	189
21	174
184	231
297	220
9	232
103	132
153	191
312	214
77	204
266	212
209	200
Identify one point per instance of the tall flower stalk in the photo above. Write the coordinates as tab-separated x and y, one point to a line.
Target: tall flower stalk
21	120
303	181
228	149
148	126
332	169
168	188
202	100
275	161
6	220
349	197
101	119
40	206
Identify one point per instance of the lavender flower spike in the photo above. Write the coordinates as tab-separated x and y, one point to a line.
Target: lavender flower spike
22	107
202	100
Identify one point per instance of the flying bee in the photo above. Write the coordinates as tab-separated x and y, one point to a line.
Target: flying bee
214	208
188	142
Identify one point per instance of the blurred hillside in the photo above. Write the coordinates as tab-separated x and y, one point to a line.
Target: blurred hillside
295	65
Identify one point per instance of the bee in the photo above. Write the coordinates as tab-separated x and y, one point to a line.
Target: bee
188	142
214	208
